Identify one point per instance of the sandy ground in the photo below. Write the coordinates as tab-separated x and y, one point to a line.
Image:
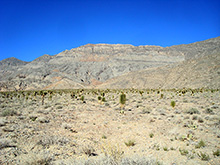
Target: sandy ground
66	129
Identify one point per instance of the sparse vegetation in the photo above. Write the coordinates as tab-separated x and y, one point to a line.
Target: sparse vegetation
99	98
147	117
88	150
200	144
183	151
193	111
151	135
104	137
173	104
9	112
204	156
122	100
165	148
130	143
82	98
112	151
217	152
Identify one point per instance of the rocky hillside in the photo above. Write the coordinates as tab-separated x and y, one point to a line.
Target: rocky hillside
194	73
117	66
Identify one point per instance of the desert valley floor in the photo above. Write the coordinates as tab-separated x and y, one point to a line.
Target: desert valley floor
74	127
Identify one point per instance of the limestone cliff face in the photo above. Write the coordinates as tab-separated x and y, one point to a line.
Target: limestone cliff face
91	65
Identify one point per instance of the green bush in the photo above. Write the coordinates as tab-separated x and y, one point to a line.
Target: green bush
204	156
183	151
200	144
216	153
122	99
151	135
82	98
130	143
99	98
103	99
173	104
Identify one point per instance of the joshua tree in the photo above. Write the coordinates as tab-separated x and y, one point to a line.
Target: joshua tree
43	94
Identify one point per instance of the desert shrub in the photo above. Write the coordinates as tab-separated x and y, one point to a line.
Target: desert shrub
193	111
138	160
209	111
59	107
194	117
183	151
157	147
82	98
104	137
130	143
200	144
141	93
172	148
103	99
151	135
106	160
88	150
122	99
112	151
216	153
42	158
146	111
173	104
200	120
99	98
204	156
9	112
165	148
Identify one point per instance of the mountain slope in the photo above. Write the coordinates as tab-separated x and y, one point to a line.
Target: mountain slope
194	73
91	65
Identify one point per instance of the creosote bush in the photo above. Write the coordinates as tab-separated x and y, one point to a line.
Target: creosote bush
173	104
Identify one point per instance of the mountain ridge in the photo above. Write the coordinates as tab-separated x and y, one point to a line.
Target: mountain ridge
92	65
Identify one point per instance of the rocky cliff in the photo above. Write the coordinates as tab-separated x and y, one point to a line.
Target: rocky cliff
117	66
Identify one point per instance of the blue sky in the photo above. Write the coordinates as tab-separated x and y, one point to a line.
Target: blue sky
32	28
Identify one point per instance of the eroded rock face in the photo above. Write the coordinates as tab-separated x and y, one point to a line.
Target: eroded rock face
91	65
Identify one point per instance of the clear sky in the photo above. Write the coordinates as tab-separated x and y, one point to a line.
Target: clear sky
32	28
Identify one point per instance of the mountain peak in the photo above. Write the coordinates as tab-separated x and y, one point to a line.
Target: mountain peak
12	61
